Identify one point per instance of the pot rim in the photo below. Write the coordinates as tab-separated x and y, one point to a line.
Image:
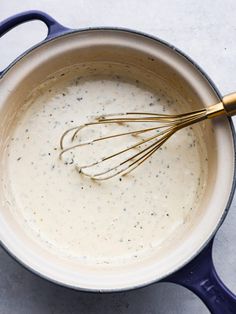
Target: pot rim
211	83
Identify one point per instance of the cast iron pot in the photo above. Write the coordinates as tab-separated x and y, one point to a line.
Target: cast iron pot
189	262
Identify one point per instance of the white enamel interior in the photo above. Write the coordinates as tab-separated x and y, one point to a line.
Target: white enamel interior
179	73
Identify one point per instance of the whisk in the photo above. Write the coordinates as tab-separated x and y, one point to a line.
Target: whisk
161	128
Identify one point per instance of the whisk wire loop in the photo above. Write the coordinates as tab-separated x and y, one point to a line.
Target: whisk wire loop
166	126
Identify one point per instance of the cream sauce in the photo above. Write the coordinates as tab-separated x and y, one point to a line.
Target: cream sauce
118	221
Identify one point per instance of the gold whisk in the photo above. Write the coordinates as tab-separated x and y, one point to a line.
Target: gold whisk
165	127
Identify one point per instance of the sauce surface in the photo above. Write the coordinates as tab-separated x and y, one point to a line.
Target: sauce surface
113	222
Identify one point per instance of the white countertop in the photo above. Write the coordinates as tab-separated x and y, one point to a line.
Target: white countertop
206	31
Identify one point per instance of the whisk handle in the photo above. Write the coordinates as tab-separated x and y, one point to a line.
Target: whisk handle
229	102
226	106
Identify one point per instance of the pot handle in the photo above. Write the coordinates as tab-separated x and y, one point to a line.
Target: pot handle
54	28
201	278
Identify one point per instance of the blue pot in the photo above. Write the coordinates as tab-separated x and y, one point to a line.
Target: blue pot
195	269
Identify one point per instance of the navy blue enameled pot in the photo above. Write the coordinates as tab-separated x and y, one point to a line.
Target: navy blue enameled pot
196	272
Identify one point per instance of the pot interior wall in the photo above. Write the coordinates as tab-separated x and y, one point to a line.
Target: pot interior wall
182	78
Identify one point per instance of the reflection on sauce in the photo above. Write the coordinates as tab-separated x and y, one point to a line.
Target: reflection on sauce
113	222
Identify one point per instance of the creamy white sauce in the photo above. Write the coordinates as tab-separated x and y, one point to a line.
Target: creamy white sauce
118	221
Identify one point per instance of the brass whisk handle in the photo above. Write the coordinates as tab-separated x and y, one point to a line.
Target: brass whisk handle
226	106
229	102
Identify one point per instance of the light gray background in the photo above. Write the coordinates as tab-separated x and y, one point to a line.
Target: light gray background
206	30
